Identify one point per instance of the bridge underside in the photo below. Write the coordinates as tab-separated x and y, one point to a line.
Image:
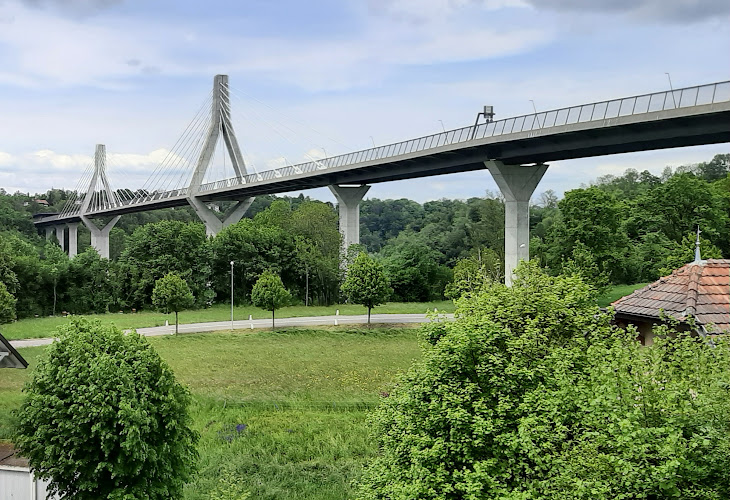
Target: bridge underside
642	136
577	140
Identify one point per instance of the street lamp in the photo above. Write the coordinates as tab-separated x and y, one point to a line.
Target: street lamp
231	295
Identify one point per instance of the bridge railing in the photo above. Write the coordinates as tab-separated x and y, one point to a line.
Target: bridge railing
599	111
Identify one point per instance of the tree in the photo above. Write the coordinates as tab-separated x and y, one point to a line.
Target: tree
269	293
531	393
172	294
7	305
104	417
366	283
54	269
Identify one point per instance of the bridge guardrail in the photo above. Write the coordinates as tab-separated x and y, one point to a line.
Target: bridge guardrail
627	106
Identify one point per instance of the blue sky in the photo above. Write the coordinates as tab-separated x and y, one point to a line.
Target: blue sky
323	77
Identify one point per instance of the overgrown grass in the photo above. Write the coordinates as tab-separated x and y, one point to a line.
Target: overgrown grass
618	291
45	327
281	414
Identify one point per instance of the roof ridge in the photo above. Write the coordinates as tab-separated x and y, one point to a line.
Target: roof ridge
693	284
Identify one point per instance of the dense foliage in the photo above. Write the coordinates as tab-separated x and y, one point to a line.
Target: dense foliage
531	393
105	418
622	229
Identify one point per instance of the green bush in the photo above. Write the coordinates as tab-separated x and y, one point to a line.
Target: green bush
105	418
531	393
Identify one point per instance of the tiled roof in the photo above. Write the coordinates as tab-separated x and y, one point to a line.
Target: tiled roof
699	289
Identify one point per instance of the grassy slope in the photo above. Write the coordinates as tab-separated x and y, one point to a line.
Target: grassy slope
302	394
45	327
618	291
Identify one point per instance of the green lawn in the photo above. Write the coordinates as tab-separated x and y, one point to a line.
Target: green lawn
302	395
618	291
45	327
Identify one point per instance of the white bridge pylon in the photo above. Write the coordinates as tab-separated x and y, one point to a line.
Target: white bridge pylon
220	123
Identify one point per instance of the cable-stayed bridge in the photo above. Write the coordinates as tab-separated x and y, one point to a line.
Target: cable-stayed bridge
515	150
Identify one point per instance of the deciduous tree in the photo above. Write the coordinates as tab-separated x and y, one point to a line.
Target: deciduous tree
269	293
172	294
366	283
105	418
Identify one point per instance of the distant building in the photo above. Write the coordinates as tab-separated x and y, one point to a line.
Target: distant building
42	203
699	290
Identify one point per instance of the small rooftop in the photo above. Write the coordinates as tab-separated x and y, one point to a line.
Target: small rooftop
9	456
700	289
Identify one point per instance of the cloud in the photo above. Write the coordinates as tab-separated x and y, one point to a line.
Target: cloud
422	11
75	7
675	11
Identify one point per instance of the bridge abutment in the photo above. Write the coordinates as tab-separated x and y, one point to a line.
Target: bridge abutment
348	206
517	183
213	225
100	236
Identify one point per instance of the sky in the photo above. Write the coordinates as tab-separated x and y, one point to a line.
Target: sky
325	77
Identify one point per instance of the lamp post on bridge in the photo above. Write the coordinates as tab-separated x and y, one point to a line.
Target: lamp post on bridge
231	295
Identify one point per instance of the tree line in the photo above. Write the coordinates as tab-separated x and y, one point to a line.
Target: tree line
620	229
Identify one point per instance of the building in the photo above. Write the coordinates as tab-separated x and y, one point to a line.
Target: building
699	290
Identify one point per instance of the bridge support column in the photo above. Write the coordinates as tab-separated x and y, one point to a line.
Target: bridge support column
348	205
73	239
100	236
49	232
517	183
60	236
213	225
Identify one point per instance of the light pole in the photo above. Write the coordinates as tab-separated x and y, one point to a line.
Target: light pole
442	126
231	295
671	88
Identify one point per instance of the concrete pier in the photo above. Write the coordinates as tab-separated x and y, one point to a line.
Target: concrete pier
348	205
517	183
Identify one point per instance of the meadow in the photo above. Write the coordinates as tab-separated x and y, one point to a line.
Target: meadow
32	328
280	414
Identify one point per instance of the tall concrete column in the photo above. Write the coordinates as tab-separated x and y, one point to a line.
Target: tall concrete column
73	239
348	205
100	236
49	232
517	183
60	236
213	225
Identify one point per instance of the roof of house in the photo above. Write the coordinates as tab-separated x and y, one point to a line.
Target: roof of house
9	456
9	357
700	289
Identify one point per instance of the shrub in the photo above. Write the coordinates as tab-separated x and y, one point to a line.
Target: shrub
105	418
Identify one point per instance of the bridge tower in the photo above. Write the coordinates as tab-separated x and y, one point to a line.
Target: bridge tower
517	183
220	124
99	183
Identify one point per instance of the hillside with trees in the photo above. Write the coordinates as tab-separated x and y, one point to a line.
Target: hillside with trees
621	229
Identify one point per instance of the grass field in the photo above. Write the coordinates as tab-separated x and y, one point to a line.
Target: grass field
618	291
302	396
45	327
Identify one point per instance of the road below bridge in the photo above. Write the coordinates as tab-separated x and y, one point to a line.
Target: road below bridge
257	324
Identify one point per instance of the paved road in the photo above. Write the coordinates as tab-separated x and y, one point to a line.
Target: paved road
258	324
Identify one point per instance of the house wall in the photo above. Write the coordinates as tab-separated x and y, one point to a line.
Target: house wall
17	483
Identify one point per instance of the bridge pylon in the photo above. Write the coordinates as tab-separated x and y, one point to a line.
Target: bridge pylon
220	124
99	192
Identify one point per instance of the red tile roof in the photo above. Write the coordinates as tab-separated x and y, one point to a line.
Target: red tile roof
701	290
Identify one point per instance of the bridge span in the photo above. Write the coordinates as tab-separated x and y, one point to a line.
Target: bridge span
515	150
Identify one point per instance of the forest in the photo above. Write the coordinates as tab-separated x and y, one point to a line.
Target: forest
623	229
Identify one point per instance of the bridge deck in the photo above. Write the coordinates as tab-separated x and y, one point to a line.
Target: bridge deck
686	117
